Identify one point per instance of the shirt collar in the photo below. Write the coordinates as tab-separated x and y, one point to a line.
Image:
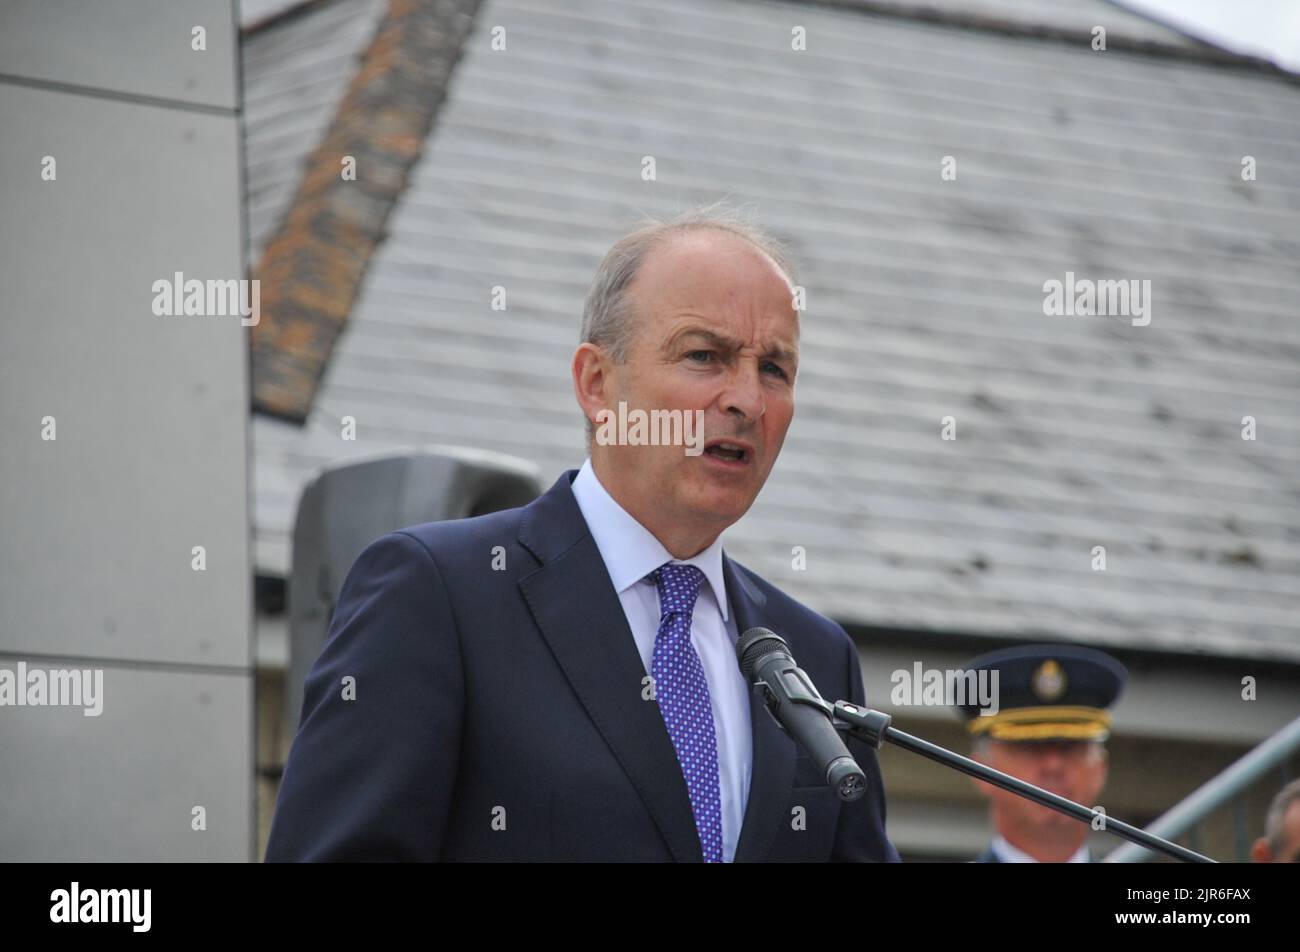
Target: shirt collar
1009	854
630	550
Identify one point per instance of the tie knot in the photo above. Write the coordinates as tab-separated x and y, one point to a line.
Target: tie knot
679	586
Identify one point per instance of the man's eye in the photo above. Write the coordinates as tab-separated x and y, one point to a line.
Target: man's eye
778	368
696	353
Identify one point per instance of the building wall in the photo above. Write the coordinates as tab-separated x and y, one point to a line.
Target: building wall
99	526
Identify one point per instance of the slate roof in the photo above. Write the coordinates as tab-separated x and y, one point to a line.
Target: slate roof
1048	17
295	75
925	296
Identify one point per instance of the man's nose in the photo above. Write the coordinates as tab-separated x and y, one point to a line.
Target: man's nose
1052	761
744	393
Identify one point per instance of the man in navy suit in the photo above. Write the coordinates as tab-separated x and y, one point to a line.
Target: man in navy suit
559	682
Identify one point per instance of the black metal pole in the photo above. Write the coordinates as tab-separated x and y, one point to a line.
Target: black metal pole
874	728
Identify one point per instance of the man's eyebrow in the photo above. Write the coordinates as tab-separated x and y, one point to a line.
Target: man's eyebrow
723	342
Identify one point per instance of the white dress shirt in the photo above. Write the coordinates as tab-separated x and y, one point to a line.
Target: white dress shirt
631	552
1009	854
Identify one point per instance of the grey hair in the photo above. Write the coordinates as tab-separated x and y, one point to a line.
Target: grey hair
609	318
1277	813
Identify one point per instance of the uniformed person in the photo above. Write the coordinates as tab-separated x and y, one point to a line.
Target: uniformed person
1281	840
1050	728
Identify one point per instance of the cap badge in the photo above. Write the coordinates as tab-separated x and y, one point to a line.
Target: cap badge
1049	681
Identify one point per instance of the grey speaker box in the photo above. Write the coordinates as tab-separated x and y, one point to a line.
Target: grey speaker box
346	507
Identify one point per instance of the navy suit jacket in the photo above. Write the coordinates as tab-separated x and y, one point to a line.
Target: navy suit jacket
498	714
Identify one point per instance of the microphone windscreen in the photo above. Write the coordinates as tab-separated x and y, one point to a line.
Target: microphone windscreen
757	643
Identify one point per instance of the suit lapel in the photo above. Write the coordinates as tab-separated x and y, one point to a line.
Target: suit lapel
579	614
773	751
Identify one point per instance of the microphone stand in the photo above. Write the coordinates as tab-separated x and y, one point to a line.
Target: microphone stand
872	727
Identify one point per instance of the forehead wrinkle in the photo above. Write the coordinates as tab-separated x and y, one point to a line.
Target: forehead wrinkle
729	342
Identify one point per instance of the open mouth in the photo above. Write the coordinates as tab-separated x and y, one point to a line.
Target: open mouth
733	453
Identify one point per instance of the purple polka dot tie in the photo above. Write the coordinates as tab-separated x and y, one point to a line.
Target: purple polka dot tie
683	695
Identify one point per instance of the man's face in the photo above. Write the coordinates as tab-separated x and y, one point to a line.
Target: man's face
716	331
1075	770
1289	849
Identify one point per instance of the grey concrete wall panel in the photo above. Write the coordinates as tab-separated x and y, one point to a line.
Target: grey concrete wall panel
122	786
98	526
135	47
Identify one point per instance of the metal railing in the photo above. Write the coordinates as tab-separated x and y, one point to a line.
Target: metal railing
1230	785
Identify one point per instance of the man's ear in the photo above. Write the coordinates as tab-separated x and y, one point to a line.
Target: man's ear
591	379
1102	770
983	788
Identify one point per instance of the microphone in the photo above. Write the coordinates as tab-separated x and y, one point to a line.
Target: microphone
791	698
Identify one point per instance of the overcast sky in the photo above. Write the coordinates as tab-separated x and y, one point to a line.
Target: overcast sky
1267	28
